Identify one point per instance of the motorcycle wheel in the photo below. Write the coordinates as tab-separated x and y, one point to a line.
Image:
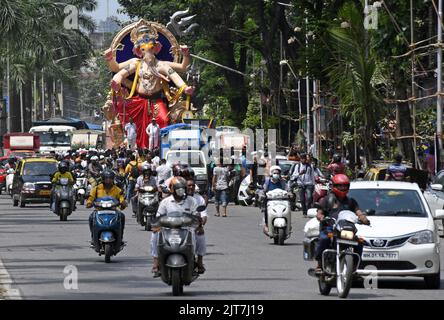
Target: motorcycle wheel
176	282
15	203
108	252
82	200
281	236
345	275
324	287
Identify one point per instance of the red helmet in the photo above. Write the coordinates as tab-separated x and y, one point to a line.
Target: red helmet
338	181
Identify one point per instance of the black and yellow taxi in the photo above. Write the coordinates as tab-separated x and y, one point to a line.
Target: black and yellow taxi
32	181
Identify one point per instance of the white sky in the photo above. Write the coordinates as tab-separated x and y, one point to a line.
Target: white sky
101	12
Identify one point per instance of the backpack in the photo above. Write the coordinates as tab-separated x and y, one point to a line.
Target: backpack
134	171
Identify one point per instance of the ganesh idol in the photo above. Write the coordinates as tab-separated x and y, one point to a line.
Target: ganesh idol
144	58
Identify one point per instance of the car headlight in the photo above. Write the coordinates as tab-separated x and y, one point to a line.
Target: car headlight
28	185
422	237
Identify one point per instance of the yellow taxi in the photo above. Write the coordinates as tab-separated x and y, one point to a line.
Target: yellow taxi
32	181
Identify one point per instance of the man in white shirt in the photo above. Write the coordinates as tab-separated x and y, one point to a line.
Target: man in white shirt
164	171
201	246
153	132
178	201
131	134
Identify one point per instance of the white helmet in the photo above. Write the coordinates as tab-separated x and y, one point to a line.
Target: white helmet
94	158
275	168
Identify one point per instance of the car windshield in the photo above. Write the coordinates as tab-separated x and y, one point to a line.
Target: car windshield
51	139
193	159
39	168
389	202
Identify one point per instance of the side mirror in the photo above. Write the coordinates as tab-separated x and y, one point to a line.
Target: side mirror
311	213
439	214
436	187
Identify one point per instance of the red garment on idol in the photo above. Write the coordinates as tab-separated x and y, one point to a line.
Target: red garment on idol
138	109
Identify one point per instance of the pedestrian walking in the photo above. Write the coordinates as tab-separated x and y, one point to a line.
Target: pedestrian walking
304	175
221	177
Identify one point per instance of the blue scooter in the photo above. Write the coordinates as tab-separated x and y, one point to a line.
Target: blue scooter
107	228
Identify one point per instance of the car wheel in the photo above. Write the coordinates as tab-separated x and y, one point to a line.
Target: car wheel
433	281
22	203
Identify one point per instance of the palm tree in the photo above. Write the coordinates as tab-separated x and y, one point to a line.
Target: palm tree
355	74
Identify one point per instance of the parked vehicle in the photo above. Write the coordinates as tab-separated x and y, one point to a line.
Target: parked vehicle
32	181
107	228
434	195
176	249
21	144
55	138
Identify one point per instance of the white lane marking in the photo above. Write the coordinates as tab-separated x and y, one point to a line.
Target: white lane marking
6	292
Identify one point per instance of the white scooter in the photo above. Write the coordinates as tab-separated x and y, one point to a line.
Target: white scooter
9	178
279	215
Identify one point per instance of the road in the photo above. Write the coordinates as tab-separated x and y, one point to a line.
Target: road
35	248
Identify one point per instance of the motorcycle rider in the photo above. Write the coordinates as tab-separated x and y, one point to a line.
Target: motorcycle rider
201	246
331	206
177	201
94	169
146	179
106	189
396	171
62	173
336	166
274	182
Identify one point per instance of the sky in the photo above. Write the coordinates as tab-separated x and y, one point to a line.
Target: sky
101	11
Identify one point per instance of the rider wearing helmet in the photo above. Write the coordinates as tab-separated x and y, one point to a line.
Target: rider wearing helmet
178	201
63	172
146	179
396	171
275	181
331	206
336	166
106	189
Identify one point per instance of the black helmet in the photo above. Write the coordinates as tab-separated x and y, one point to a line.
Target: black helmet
63	166
146	169
398	158
108	174
336	158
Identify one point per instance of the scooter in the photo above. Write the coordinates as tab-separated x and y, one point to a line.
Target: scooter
107	228
63	203
9	179
176	249
340	261
279	215
145	206
80	187
246	195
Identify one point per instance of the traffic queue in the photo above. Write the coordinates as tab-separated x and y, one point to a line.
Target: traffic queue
355	228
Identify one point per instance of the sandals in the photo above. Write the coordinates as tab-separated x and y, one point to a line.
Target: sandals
217	215
156	272
224	215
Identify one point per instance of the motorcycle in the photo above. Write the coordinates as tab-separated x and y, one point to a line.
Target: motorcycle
63	202
279	215
341	261
107	228
80	187
145	206
9	179
176	249
295	201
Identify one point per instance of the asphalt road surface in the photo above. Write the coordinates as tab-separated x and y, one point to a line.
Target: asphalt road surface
35	249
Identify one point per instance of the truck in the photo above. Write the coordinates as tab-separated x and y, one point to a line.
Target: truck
55	138
19	144
85	139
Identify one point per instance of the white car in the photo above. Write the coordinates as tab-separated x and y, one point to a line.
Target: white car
403	237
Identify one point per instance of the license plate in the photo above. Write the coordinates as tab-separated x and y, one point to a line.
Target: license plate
383	255
44	192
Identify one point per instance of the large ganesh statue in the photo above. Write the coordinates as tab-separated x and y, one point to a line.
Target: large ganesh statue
145	59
